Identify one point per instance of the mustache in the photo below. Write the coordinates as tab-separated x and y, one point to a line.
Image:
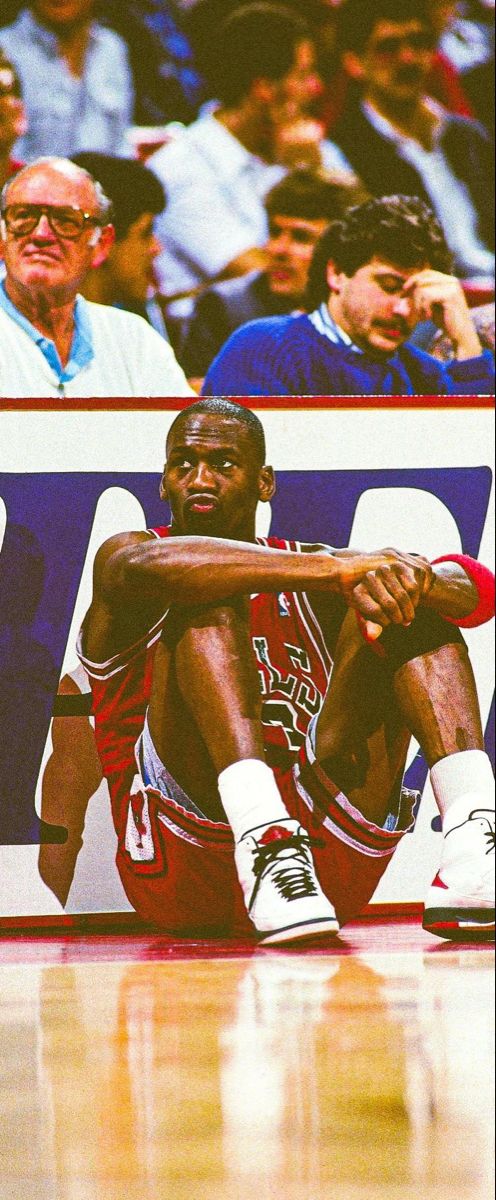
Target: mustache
397	323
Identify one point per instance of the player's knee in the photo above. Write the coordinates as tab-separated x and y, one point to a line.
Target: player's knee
427	633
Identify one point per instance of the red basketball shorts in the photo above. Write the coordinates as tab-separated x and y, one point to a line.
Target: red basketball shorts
178	871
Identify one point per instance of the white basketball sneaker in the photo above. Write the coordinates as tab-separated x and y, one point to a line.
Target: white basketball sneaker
460	902
282	894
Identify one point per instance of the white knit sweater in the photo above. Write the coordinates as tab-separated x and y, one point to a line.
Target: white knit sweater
131	359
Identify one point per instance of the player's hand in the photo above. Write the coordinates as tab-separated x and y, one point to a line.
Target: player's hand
386	588
440	298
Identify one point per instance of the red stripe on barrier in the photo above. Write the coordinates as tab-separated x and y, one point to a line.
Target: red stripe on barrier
173	404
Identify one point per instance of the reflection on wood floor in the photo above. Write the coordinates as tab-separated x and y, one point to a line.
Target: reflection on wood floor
274	1076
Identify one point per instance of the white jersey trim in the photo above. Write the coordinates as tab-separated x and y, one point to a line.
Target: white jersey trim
111	666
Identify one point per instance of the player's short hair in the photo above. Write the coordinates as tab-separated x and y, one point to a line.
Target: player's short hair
256	41
312	196
356	19
402	230
130	185
233	412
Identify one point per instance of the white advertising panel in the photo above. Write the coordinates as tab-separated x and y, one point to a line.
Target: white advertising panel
420	478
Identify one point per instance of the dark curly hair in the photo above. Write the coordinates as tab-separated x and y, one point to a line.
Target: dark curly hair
402	230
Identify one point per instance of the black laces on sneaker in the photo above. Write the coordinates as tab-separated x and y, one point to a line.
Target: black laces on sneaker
294	877
490	836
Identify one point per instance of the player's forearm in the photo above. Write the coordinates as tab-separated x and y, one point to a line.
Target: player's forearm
452	594
460	590
196	570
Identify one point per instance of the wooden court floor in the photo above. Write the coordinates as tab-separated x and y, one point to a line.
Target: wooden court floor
134	1067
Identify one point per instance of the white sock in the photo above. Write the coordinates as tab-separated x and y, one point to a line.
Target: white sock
250	796
469	774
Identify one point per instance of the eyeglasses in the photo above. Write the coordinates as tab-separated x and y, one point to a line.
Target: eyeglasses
389	47
65	221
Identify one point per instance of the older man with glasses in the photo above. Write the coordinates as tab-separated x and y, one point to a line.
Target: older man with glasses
55	226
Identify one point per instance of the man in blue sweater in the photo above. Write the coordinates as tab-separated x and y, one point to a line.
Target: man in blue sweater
376	274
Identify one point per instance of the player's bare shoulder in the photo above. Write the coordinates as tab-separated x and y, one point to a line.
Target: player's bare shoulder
109	557
111	622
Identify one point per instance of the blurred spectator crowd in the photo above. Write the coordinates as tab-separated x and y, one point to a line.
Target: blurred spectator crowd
259	127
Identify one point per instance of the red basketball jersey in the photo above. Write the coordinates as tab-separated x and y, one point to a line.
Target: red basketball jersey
292	659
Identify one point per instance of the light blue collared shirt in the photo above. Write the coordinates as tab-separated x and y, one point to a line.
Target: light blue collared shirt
326	325
82	351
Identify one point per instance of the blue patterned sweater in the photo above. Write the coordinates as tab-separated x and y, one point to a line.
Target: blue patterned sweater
287	356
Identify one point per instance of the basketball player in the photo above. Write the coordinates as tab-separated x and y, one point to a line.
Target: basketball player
253	726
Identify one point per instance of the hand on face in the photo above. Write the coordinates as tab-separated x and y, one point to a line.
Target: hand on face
440	298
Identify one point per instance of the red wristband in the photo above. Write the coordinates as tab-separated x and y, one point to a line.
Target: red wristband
483	580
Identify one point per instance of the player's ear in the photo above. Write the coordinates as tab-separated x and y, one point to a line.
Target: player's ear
101	241
266	484
163	493
334	278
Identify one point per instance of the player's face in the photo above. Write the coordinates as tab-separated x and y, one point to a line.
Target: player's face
212	478
372	308
43	261
290	247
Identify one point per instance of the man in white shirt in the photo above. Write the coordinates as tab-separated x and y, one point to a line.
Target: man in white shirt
218	171
55	226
